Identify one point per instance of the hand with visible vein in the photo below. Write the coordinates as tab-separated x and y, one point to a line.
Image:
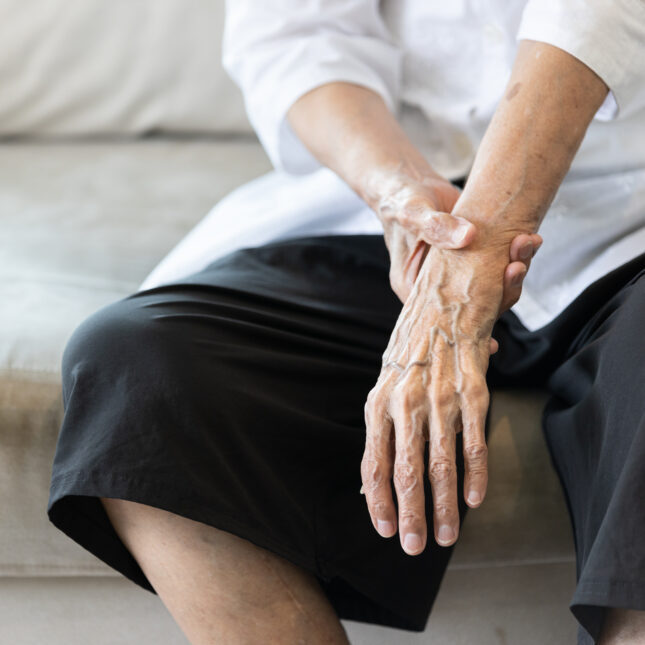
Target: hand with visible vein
432	385
432	382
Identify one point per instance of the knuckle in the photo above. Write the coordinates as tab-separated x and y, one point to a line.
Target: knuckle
372	474
373	404
371	396
406	217
441	470
409	517
477	472
443	397
478	391
443	511
476	452
404	395
406	477
380	508
437	228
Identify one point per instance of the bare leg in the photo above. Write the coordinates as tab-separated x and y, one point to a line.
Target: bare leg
222	589
623	627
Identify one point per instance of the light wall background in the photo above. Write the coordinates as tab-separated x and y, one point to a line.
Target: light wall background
103	67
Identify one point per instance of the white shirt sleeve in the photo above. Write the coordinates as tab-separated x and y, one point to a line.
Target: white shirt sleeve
606	35
278	50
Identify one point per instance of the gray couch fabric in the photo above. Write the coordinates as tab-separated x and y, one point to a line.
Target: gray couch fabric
81	224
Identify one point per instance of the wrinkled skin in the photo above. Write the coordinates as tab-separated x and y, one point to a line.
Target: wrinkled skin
432	384
550	99
415	214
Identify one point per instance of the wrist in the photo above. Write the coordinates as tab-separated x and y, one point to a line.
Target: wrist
468	282
461	269
391	189
496	228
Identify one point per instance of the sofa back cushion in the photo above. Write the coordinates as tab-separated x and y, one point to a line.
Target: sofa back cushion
87	67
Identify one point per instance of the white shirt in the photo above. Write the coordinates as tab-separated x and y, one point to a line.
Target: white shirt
441	67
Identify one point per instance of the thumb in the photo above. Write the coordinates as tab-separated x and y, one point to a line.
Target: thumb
446	231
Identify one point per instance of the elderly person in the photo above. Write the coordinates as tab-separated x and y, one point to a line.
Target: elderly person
333	328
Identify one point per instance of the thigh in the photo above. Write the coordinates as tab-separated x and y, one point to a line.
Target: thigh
528	358
235	398
595	428
245	381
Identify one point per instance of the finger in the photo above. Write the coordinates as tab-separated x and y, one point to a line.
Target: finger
474	406
494	346
521	249
514	275
444	230
399	285
398	248
408	411
524	247
442	469
376	465
413	264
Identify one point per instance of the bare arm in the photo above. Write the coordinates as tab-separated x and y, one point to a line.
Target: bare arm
349	129
531	141
432	383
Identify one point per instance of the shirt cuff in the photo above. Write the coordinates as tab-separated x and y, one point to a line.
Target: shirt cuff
606	35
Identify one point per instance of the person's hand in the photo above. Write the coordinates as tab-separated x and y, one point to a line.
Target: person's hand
432	384
415	214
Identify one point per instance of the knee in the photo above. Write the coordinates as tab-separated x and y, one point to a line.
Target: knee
100	334
103	345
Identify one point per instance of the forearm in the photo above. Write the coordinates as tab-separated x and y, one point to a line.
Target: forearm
349	129
530	143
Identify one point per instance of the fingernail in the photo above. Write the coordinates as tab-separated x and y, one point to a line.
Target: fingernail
412	543
526	251
474	498
537	246
445	535
385	529
460	233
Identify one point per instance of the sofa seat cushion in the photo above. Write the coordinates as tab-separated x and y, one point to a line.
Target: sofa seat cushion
82	225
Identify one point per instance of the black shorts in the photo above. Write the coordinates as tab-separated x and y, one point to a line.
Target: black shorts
235	397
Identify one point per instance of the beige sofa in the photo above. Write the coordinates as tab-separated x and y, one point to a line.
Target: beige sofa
82	222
